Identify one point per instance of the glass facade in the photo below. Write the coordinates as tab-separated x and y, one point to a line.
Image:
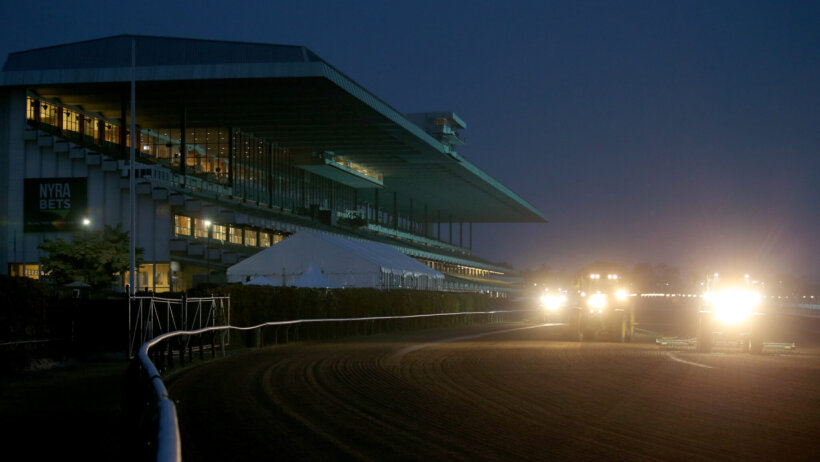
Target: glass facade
76	125
206	151
250	237
154	277
257	170
248	168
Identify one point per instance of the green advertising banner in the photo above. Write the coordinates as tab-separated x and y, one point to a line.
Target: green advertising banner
54	204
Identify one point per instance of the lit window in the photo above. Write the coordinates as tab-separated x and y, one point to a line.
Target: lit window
31	271
264	239
200	230
182	225
219	232
235	235
250	238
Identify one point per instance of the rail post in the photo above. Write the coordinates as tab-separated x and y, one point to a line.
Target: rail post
181	352
190	347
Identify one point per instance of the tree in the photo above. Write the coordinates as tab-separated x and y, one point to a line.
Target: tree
93	257
669	278
643	277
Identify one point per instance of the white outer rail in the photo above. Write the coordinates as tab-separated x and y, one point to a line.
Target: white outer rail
169	447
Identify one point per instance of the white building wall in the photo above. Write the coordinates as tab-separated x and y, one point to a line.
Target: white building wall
47	156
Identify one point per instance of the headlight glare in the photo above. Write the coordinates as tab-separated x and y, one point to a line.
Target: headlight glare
734	306
597	301
553	302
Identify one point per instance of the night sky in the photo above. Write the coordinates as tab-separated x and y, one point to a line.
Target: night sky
684	133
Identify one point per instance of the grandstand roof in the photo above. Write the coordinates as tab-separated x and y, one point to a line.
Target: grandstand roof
284	93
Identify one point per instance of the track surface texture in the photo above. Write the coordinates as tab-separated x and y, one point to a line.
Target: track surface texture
518	394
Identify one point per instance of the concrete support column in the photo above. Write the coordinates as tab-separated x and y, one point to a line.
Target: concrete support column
410	219
426	234
183	148
271	166
378	220
395	211
356	199
231	157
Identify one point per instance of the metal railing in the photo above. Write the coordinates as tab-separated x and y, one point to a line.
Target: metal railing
150	317
163	418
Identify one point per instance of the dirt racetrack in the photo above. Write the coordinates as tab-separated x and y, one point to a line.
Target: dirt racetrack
518	394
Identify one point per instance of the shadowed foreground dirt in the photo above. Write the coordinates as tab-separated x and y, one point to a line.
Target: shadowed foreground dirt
519	394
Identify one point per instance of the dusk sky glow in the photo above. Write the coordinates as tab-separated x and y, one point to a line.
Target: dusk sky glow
684	133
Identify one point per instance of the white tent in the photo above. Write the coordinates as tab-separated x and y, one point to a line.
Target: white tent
260	281
344	262
313	277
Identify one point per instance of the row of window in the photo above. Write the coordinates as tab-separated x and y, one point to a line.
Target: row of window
203	229
97	130
397	281
207	150
150	276
256	169
459	269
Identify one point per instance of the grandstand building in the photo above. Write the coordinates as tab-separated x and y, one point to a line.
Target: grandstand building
238	146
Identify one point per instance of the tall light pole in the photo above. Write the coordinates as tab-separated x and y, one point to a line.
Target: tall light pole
131	177
207	257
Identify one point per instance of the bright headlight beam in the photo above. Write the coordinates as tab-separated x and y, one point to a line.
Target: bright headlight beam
733	306
597	301
553	302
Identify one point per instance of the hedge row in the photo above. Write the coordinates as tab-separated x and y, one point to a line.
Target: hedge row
252	305
30	310
34	311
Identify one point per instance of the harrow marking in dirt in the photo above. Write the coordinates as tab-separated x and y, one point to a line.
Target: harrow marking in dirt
413	348
674	357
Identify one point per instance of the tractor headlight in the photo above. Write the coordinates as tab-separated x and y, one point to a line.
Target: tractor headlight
597	301
733	306
553	302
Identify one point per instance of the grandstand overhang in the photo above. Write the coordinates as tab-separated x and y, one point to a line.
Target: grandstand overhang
340	169
286	94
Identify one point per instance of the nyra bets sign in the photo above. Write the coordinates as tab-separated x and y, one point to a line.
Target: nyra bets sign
54	204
